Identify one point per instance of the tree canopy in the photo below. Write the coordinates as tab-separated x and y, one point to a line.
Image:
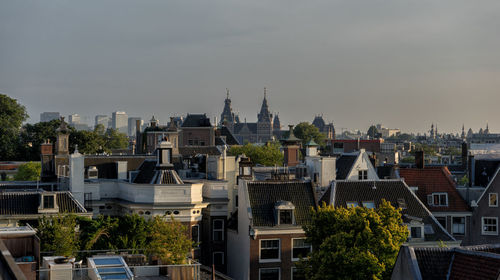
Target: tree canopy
268	155
305	132
58	235
29	171
373	132
353	243
12	115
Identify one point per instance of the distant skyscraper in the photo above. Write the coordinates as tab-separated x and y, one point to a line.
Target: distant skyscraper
74	119
132	125
102	119
48	116
120	121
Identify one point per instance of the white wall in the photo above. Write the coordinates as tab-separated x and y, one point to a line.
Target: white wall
76	179
362	163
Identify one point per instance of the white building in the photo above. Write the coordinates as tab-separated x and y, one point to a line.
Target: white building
102	119
132	125
74	119
120	121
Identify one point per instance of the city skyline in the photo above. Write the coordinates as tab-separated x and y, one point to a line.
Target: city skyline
405	65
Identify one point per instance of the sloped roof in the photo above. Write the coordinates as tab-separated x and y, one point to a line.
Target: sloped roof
263	196
252	127
434	179
230	139
146	172
27	203
196	120
434	262
394	191
344	164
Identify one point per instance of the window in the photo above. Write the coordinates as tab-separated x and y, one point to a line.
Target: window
297	274
286	217
351	204
363	174
270	249
437	199
369	204
300	248
269	274
218	230
48	201
442	221
416	232
195	233
493	202
218	258
489	225
458	225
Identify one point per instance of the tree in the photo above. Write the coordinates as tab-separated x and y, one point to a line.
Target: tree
306	131
169	240
88	142
463	181
29	171
373	132
58	235
115	140
268	155
12	115
353	243
33	135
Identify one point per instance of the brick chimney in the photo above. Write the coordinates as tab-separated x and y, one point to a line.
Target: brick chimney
419	159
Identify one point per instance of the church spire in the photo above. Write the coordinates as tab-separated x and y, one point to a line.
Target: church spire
264	115
227	116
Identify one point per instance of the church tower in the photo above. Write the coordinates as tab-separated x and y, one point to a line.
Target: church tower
264	122
227	116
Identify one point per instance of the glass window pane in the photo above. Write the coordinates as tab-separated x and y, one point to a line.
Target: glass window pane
269	273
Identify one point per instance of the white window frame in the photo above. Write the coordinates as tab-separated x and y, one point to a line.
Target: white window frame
489	200
214	230
465	225
269	268
297	259
487	232
422	232
279	216
430	199
213	257
269	260
370	201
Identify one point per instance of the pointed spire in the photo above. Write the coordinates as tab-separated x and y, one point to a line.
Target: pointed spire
227	93
265	92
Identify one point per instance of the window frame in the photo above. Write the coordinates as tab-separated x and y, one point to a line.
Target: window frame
261	260
292	239
198	236
483	232
430	199
291	271
292	218
363	174
350	204
368	201
214	230
464	225
51	197
489	200
269	268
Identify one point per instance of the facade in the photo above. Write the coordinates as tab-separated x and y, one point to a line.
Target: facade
102	119
74	119
119	121
435	187
484	228
422	225
196	130
48	116
268	239
327	129
355	166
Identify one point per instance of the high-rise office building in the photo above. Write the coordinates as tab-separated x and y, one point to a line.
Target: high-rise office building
102	119
74	119
132	121
48	116
120	121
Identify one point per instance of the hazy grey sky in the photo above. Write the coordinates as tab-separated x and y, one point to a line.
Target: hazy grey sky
401	63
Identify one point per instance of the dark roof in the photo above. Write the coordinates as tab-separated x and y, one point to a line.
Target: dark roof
394	191
146	172
230	139
385	171
263	196
27	203
252	127
434	179
434	262
475	266
202	150
196	120
344	164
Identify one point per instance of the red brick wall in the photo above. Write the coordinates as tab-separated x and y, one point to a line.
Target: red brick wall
204	134
285	264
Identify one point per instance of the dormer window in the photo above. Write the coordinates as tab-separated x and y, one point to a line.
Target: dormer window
284	213
437	199
48	201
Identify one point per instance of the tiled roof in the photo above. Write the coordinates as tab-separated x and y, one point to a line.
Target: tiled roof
252	127
394	191
146	172
27	203
344	164
434	179
196	120
475	266
230	139
264	194
434	262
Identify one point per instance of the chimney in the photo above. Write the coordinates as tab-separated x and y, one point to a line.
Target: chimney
419	159
464	155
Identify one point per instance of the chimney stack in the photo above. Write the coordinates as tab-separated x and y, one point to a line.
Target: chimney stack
419	159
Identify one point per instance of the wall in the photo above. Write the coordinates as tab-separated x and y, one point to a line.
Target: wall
362	163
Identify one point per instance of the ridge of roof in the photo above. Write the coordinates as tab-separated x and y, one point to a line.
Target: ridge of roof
489	184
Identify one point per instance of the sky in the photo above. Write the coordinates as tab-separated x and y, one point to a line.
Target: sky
405	64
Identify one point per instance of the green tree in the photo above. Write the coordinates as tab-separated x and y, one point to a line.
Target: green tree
373	132
306	131
12	115
33	135
169	241
353	243
132	232
58	235
268	155
88	142
115	140
29	171
463	181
